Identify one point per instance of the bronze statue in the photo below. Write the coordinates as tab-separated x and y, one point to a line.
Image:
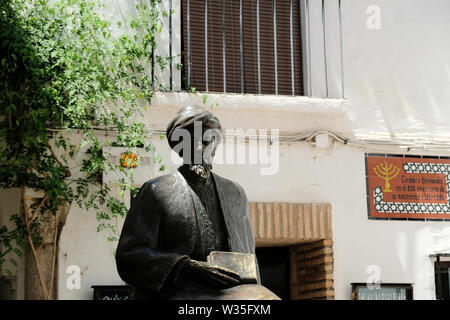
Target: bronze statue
178	219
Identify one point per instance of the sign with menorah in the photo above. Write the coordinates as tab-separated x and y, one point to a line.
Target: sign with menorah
408	187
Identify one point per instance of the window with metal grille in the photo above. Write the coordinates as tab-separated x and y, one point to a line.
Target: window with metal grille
242	46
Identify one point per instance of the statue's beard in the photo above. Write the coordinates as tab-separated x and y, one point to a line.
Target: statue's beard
202	170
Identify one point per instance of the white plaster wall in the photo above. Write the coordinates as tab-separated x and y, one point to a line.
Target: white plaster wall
82	246
396	77
396	83
400	249
306	174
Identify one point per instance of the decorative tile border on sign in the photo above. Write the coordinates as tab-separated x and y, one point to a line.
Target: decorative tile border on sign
394	207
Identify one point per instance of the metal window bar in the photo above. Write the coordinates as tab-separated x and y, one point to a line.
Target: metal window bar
153	67
291	29
324	47
275	50
152	3
258	46
206	45
224	43
241	46
189	42
308	45
170	44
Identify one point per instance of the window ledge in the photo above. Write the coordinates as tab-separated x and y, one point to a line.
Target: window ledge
252	111
263	102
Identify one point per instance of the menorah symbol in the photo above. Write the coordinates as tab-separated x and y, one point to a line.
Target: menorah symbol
387	172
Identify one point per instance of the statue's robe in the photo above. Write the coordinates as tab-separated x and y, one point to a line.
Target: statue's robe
161	230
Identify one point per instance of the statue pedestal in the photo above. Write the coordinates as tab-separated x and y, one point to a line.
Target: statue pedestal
241	292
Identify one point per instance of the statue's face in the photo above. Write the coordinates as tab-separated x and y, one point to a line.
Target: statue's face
204	142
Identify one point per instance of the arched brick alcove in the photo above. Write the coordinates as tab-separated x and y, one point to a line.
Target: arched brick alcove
306	228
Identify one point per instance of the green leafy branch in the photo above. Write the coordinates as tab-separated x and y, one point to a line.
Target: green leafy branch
64	77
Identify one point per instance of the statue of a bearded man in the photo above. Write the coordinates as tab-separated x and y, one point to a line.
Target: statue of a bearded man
178	219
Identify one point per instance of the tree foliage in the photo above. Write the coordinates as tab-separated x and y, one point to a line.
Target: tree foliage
69	86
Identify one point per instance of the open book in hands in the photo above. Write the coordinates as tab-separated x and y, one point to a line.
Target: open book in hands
242	263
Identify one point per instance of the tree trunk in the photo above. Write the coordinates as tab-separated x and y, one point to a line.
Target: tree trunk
41	258
33	288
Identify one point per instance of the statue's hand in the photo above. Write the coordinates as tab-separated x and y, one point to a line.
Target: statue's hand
209	274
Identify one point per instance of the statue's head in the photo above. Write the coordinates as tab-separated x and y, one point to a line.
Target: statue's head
194	134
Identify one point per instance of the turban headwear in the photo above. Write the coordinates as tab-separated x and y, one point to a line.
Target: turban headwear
185	119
